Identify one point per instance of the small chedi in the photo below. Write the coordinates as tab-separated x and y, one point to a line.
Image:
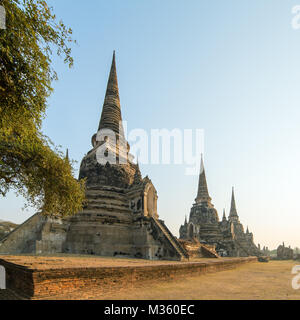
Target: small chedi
285	253
266	251
120	217
226	237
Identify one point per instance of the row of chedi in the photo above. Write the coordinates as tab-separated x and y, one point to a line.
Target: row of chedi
227	237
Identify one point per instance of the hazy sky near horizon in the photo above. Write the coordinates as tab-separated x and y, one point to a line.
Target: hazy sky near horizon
229	67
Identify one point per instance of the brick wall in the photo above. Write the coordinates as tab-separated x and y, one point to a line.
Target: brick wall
44	283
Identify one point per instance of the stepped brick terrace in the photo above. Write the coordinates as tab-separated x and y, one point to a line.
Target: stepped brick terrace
44	277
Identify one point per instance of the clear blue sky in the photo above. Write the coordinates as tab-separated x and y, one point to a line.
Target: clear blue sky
229	67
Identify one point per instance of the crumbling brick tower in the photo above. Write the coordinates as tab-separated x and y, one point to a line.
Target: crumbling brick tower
120	217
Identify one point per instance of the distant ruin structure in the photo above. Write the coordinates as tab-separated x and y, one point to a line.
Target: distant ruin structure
285	253
226	236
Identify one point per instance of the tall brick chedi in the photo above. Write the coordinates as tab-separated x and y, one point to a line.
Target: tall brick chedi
120	217
227	236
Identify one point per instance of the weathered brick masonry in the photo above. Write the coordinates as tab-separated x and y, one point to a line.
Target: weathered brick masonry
39	283
120	216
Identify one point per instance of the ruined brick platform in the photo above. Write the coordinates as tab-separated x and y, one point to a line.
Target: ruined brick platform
42	277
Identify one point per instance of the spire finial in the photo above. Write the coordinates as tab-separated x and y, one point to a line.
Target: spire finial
114	58
224	215
202	164
111	113
233	211
67	155
203	195
137	175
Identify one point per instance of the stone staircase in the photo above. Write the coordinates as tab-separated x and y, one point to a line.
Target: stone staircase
30	230
195	249
209	251
172	240
240	246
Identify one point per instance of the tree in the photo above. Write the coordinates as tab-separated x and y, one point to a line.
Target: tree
29	162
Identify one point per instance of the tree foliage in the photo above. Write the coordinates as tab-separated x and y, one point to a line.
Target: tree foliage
29	163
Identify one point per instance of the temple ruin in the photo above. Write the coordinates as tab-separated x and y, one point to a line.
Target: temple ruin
227	237
120	217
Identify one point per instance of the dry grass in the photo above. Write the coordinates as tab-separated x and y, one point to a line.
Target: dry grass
261	281
253	281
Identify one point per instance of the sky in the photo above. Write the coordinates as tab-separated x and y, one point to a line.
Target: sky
229	67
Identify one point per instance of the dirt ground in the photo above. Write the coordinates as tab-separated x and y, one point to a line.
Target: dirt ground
83	261
253	281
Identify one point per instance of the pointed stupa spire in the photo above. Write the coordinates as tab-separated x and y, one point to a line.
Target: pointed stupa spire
137	175
233	212
185	221
247	231
67	155
224	215
202	195
111	113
